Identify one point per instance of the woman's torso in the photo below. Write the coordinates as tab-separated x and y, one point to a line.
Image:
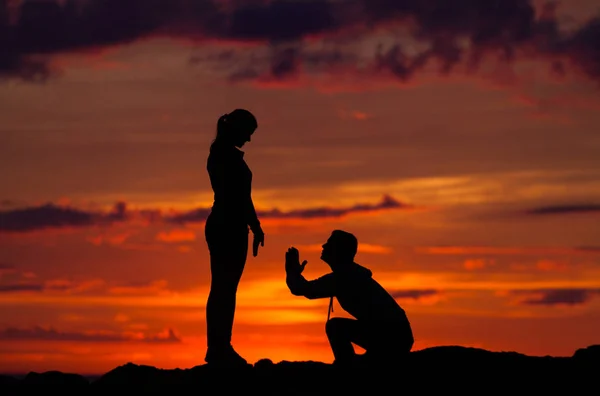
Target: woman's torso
231	181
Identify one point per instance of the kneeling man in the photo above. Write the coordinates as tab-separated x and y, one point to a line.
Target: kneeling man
381	326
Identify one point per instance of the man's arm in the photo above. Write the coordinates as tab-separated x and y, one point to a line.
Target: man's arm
298	285
318	288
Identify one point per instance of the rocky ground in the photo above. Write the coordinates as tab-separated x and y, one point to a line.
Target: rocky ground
446	369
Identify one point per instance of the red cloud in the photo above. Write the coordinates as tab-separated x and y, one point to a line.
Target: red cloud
51	334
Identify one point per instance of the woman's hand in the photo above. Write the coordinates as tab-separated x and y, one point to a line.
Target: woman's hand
259	239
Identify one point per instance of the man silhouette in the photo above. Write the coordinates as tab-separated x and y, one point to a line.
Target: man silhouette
381	326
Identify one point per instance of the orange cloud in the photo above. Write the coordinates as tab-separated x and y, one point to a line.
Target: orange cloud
373	249
184	249
110	239
354	114
362	248
475	264
359	115
551	265
68	286
121	318
175	236
158	287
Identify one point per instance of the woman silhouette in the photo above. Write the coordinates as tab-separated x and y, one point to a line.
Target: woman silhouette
226	230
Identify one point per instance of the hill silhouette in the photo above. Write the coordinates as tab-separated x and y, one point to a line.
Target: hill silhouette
443	368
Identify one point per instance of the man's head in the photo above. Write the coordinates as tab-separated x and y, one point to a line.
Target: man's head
340	248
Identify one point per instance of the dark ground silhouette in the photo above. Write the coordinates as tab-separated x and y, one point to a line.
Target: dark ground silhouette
446	369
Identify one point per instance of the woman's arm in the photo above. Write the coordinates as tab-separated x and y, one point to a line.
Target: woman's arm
253	221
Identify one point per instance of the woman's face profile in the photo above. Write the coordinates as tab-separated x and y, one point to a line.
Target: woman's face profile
243	136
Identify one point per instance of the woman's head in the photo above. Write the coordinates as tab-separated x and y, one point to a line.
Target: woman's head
236	128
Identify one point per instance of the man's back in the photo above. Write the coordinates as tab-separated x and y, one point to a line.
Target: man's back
365	299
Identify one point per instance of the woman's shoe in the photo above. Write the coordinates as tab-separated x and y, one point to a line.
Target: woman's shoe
226	357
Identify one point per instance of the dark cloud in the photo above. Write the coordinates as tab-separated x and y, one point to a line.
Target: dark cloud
589	249
38	333
53	216
6	202
387	203
47	216
281	20
45	27
415	294
583	48
169	337
85	287
21	287
193	216
60	286
551	297
565	209
6	270
452	31
326	212
118	213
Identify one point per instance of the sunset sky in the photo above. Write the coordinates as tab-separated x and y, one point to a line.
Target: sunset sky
458	140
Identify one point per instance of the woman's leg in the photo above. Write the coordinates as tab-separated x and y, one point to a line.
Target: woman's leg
228	251
229	281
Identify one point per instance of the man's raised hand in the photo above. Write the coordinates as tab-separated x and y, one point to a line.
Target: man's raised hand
292	261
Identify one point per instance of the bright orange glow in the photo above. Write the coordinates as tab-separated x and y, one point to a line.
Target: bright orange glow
363	248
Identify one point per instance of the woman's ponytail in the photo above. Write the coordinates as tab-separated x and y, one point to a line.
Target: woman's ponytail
221	125
221	129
